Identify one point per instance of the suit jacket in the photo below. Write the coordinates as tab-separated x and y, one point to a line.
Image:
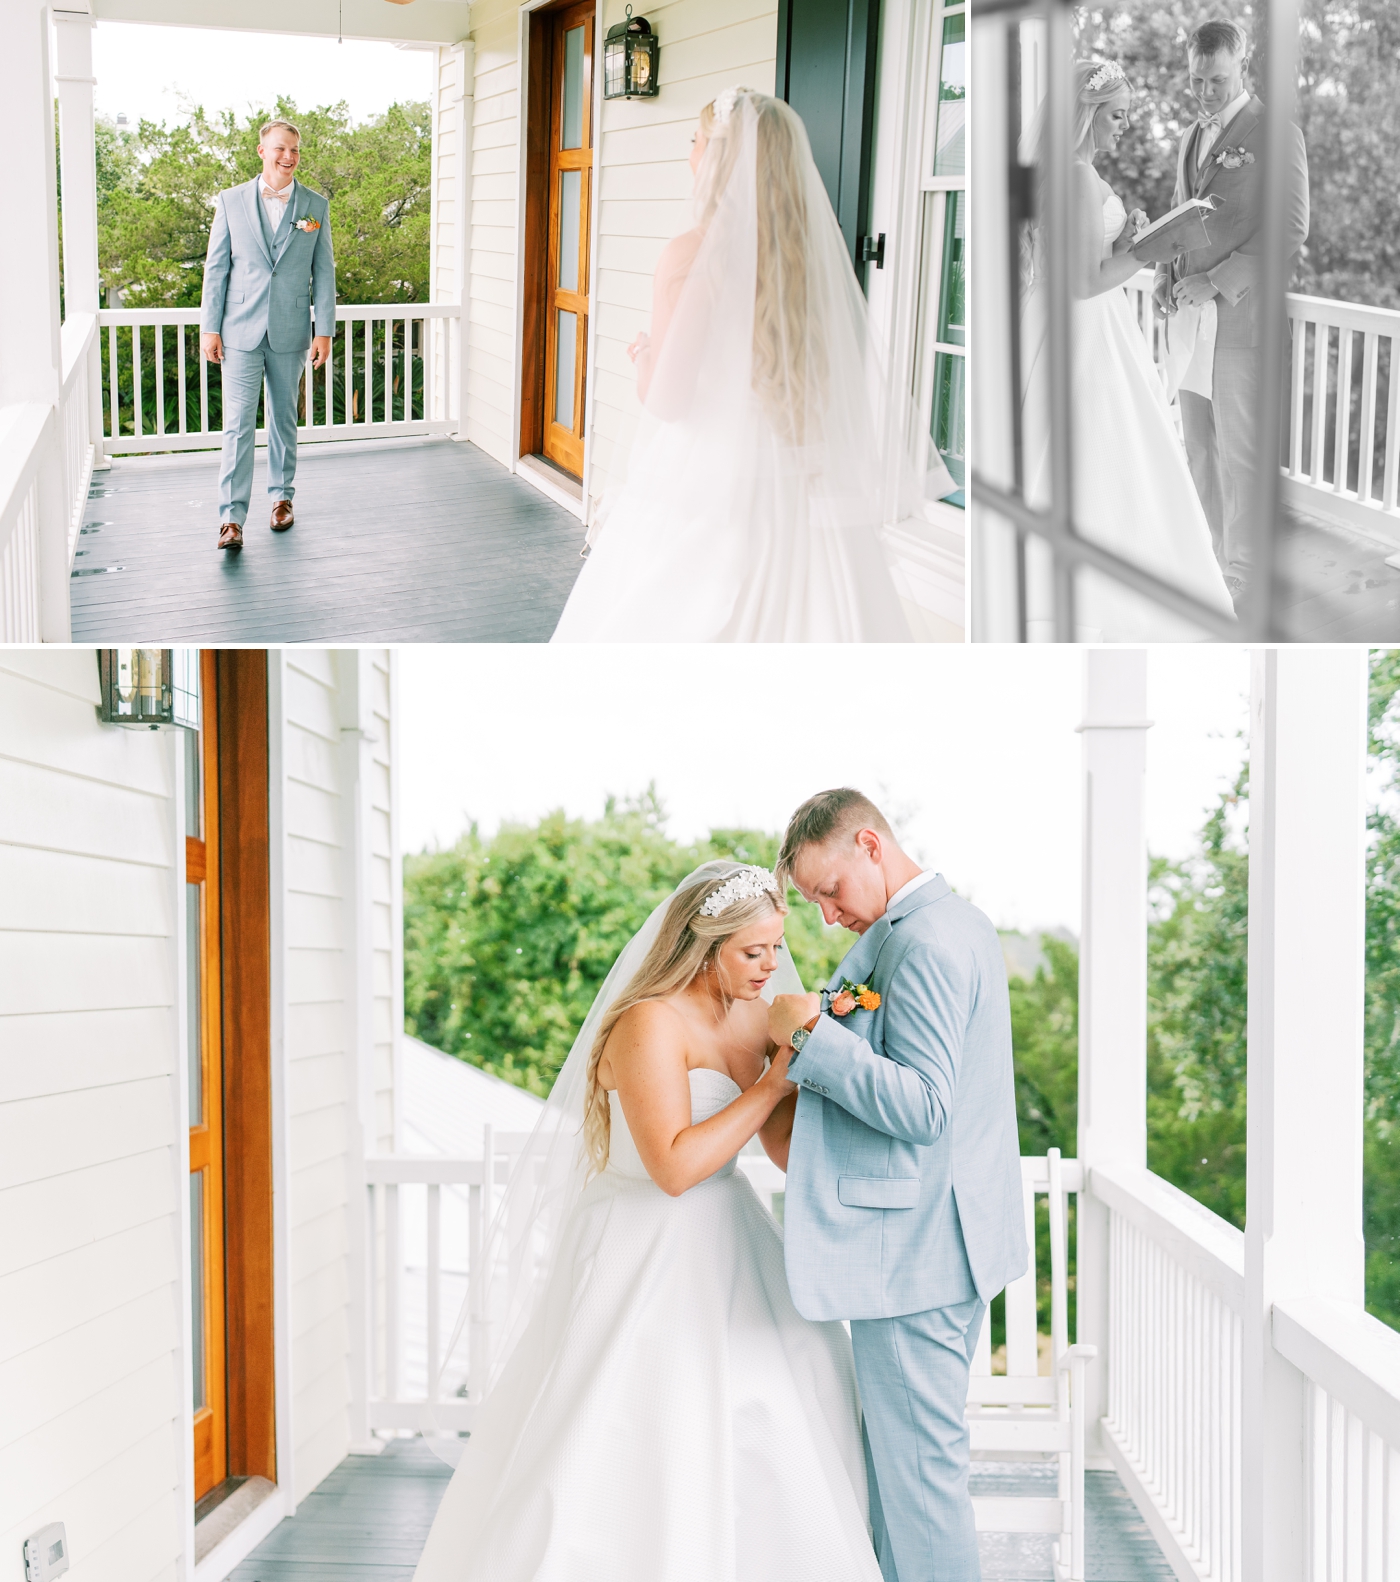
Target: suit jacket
256	283
904	1175
1233	258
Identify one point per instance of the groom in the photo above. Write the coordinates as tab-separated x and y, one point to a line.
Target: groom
1222	155
903	1208
269	261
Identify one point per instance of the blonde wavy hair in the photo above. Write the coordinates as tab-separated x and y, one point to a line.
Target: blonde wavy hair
686	946
789	356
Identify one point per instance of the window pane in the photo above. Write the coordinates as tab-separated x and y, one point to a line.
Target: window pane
192	992
564	370
197	1284
571	122
952	314
570	182
950	144
948	418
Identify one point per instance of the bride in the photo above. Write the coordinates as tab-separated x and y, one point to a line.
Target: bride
756	487
1133	491
658	1411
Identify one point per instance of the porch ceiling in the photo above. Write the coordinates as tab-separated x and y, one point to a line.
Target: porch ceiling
423	22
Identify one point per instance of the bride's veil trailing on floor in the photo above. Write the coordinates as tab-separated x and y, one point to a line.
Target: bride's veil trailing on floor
524	1238
767	457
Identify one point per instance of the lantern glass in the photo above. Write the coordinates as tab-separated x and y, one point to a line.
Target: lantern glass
149	687
615	64
641	63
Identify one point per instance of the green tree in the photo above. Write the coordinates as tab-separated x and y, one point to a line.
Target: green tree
507	940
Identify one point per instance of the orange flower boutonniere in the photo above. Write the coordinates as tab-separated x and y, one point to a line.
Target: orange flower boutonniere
308	224
850	995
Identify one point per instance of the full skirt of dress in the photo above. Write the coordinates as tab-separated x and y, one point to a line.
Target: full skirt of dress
1133	491
667	1416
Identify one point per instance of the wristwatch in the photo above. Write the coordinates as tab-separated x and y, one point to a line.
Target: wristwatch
801	1035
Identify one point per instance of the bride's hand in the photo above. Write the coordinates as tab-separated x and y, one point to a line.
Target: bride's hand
1135	222
638	346
776	1073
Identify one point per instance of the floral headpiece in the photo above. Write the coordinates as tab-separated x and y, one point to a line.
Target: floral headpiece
746	885
1109	72
725	102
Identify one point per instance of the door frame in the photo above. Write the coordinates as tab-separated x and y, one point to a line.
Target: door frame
581	508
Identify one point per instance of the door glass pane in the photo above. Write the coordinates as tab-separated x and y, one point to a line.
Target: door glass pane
952	314
570	182
192	990
197	1283
564	370
194	824
571	122
950	143
947	424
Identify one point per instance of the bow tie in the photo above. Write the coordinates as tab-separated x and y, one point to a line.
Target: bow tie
282	196
1204	121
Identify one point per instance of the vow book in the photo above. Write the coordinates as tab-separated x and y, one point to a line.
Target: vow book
1180	230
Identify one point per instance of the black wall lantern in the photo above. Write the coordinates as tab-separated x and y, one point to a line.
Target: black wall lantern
149	687
630	54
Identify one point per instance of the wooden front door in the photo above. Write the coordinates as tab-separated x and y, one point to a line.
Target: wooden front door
203	980
557	242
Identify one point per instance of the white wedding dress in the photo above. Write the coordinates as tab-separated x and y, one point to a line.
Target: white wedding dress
1133	491
667	1415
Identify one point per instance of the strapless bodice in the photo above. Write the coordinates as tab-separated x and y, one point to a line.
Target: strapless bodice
1115	216
710	1092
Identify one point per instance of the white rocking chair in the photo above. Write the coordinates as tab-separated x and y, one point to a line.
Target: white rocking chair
1027	1415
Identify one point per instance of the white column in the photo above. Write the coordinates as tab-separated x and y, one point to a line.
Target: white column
1303	1231
450	227
78	164
1112	974
31	364
354	697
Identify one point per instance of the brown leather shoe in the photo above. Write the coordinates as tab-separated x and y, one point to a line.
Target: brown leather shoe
230	535
282	517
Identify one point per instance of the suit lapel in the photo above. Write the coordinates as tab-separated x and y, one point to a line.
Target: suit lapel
255	218
1238	129
295	210
859	960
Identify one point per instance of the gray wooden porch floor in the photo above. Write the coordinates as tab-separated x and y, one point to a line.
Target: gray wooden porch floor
1337	586
395	541
370	1518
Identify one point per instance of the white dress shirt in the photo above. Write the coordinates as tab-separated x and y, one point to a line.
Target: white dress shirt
908	889
274	202
1213	129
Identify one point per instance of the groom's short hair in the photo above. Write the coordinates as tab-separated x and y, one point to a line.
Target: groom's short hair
271	126
826	817
1218	37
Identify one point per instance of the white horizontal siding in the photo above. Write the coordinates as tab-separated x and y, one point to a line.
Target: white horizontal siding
91	1432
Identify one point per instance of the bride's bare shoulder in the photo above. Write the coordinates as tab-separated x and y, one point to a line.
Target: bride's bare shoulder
679	254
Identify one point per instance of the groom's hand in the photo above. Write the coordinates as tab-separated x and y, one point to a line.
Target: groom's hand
1162	297
1194	291
788	1012
320	350
213	346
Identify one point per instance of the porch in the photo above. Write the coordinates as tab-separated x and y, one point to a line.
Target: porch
368	1522
400	540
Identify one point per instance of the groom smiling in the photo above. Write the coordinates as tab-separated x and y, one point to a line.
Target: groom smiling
269	259
903	1209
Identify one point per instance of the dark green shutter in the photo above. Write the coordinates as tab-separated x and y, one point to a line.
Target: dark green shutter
826	72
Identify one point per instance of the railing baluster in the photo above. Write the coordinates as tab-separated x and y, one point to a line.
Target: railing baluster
180	332
160	378
1341	443
388	370
434	1282
137	425
1365	466
112	367
1321	359
1295	419
204	392
1392	472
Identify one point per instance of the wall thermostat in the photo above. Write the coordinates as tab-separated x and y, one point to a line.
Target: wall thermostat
46	1553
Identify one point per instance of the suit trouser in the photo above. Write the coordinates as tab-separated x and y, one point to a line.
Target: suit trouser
913	1372
244	374
1219	436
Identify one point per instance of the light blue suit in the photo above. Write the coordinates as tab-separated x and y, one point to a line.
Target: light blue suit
903	1208
259	289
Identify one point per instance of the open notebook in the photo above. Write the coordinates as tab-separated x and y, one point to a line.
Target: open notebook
1180	230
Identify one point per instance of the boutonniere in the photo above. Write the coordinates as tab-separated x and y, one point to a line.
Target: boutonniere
850	995
1233	158
308	224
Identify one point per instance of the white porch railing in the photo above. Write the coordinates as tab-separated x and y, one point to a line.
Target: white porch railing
392	371
1176	1296
46	459
1351	1365
1343	401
